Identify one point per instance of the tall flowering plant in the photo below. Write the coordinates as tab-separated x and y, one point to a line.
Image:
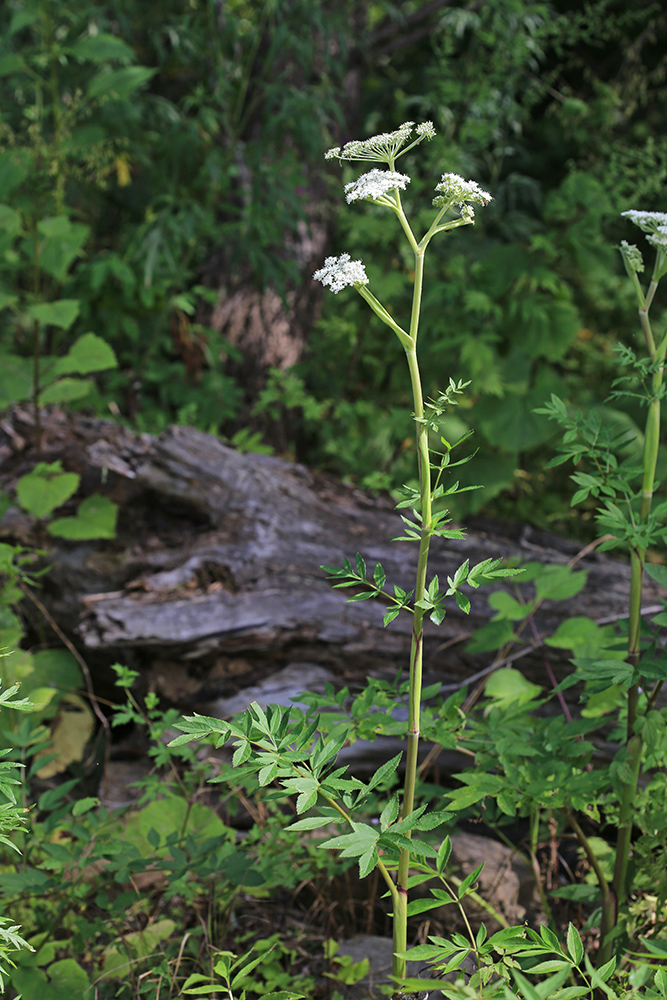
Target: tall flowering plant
454	202
283	746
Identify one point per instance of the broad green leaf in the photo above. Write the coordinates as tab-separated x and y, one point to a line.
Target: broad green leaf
82	806
65	390
558	583
69	737
508	685
120	84
45	488
10	220
61	313
16	379
89	353
574	632
10	63
490	637
60	243
95	518
102	48
657	573
139	944
508	607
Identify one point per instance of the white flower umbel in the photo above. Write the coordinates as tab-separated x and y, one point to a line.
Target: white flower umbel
648	221
658	239
374	185
383	148
454	190
339	272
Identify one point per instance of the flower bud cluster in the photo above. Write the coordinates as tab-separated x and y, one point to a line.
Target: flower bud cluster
632	256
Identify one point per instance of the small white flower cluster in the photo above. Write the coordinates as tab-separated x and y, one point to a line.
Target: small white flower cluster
632	256
375	184
454	190
383	148
658	239
339	272
650	222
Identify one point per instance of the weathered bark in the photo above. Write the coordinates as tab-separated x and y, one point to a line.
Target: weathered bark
214	576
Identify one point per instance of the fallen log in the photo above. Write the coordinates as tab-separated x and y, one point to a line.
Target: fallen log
213	579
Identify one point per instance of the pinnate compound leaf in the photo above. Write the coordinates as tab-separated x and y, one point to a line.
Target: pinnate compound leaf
312	823
444	853
367	862
468	882
198	727
432	821
422	905
267	773
385	771
364	838
306	800
390	813
390	615
242	753
574	946
463	603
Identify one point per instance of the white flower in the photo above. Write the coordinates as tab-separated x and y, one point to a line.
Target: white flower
338	272
375	184
454	190
658	239
648	221
383	148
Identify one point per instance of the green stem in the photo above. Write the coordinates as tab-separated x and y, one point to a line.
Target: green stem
634	743
608	897
416	649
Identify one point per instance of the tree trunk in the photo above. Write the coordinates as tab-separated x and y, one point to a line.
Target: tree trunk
213	579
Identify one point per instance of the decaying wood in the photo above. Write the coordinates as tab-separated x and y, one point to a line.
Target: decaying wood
213	580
